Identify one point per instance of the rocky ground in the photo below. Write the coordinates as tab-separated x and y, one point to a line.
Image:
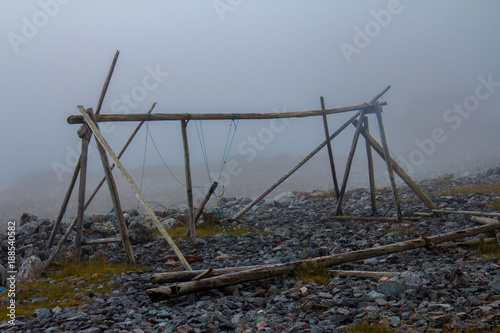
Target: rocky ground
457	289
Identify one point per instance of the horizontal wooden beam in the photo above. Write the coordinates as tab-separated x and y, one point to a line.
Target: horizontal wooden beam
78	119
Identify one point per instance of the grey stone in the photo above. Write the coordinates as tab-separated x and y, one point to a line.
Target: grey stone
139	233
399	283
373	295
371	261
27	218
31	269
43	313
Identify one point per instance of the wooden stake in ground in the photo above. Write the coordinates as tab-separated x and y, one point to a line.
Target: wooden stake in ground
349	164
84	133
371	172
330	151
141	198
110	180
64	205
189	185
166	292
388	159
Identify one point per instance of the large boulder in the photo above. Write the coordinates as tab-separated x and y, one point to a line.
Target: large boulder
400	283
139	233
28	218
31	269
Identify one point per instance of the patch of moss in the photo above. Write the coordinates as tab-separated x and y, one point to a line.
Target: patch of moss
60	289
368	327
472	189
314	273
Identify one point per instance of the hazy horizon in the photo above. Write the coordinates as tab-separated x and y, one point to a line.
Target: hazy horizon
246	56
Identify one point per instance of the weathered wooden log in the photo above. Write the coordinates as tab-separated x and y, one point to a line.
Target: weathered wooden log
465	212
329	149
371	171
348	165
362	274
295	168
115	198
469	242
106	83
134	186
373	218
85	135
166	292
64	205
171	277
101	241
76	119
189	185
388	160
483	220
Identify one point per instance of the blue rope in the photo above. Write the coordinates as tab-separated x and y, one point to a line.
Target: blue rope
201	139
144	160
229	143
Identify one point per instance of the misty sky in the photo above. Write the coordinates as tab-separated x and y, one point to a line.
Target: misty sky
441	58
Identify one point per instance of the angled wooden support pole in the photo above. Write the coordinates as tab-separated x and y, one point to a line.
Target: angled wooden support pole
64	205
388	160
134	186
371	172
398	169
204	202
110	180
125	146
349	164
295	168
189	185
330	151
106	83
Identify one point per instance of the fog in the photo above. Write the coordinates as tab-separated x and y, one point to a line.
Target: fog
440	58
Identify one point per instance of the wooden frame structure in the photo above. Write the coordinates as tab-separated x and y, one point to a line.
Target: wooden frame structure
90	121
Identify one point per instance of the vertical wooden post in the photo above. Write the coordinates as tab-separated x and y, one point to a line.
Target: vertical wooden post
388	159
84	133
371	172
64	205
134	186
110	180
189	186
330	152
349	163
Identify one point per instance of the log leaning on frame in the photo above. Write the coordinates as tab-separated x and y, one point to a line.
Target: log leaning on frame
166	292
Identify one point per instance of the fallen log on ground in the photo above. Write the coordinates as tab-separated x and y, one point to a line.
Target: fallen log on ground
166	292
363	274
469	242
483	220
373	218
464	212
182	276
